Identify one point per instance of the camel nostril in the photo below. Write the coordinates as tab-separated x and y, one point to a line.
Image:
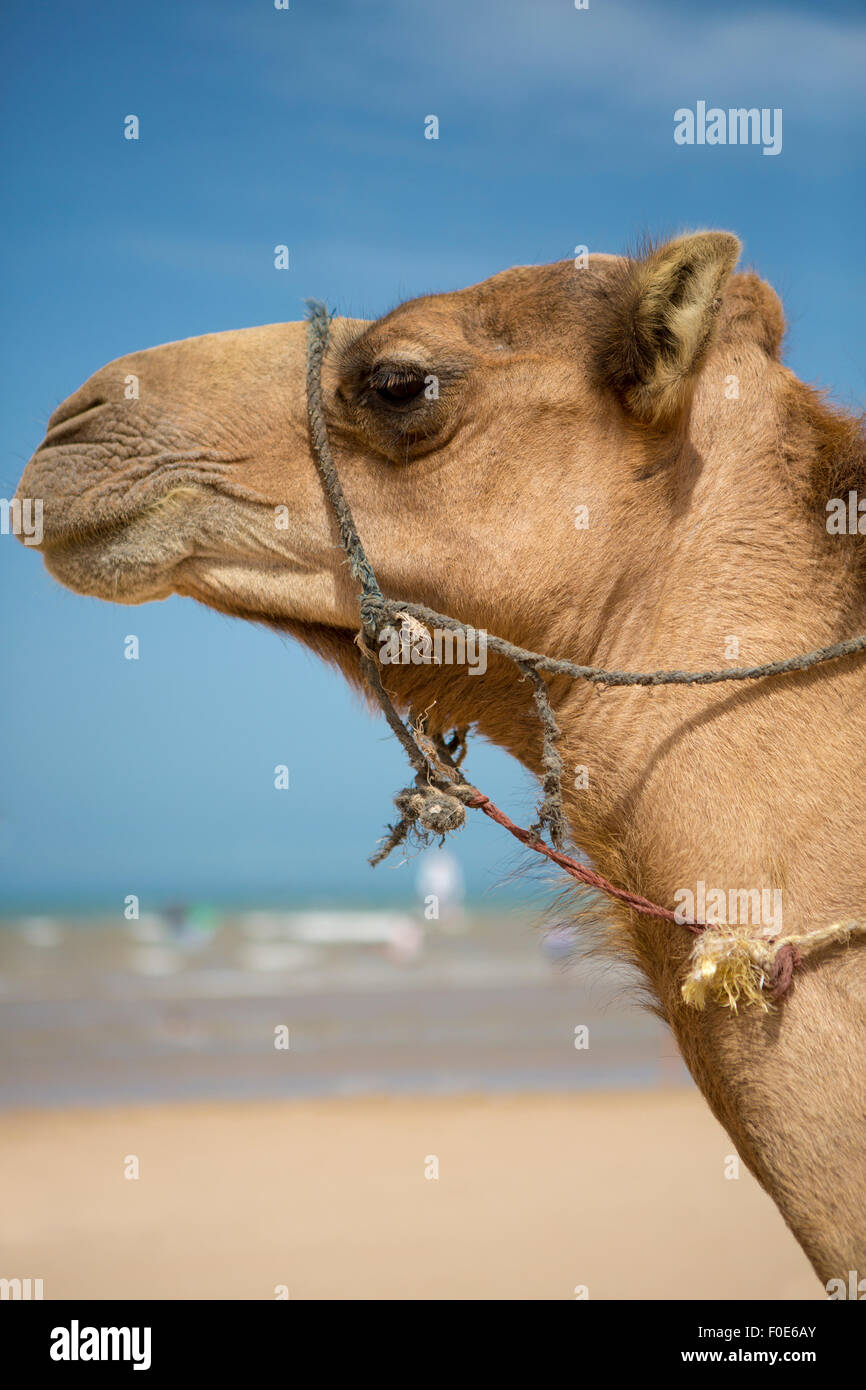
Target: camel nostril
67	419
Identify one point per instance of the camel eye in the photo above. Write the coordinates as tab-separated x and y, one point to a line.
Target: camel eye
397	385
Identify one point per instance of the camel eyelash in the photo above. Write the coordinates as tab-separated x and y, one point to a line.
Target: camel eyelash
397	386
390	375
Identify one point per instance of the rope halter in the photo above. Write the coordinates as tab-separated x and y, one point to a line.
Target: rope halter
725	966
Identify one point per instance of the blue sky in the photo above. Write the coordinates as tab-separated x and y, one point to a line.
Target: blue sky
305	127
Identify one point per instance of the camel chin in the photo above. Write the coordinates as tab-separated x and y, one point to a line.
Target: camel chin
123	567
192	541
142	561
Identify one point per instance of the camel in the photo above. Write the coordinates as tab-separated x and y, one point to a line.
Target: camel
605	461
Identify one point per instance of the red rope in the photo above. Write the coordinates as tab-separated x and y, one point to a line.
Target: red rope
787	958
578	871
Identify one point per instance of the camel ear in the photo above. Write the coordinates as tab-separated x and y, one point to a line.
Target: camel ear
661	318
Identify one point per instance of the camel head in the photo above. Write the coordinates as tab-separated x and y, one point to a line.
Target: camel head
604	461
467	427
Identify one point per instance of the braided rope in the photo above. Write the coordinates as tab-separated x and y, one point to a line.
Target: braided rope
359	566
724	965
603	676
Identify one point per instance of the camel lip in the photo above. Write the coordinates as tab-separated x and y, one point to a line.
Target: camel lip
80	537
70	522
79	534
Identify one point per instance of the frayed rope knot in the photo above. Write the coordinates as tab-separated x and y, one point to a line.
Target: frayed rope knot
728	967
435	810
425	811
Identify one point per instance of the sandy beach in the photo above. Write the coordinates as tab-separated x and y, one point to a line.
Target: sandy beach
623	1193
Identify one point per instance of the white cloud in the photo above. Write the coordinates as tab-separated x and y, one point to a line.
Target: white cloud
524	54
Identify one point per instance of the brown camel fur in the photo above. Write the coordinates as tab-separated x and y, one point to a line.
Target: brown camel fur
650	392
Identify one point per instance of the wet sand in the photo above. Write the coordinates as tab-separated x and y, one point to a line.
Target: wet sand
96	1015
622	1192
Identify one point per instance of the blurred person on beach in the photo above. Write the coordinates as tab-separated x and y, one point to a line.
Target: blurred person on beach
440	883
